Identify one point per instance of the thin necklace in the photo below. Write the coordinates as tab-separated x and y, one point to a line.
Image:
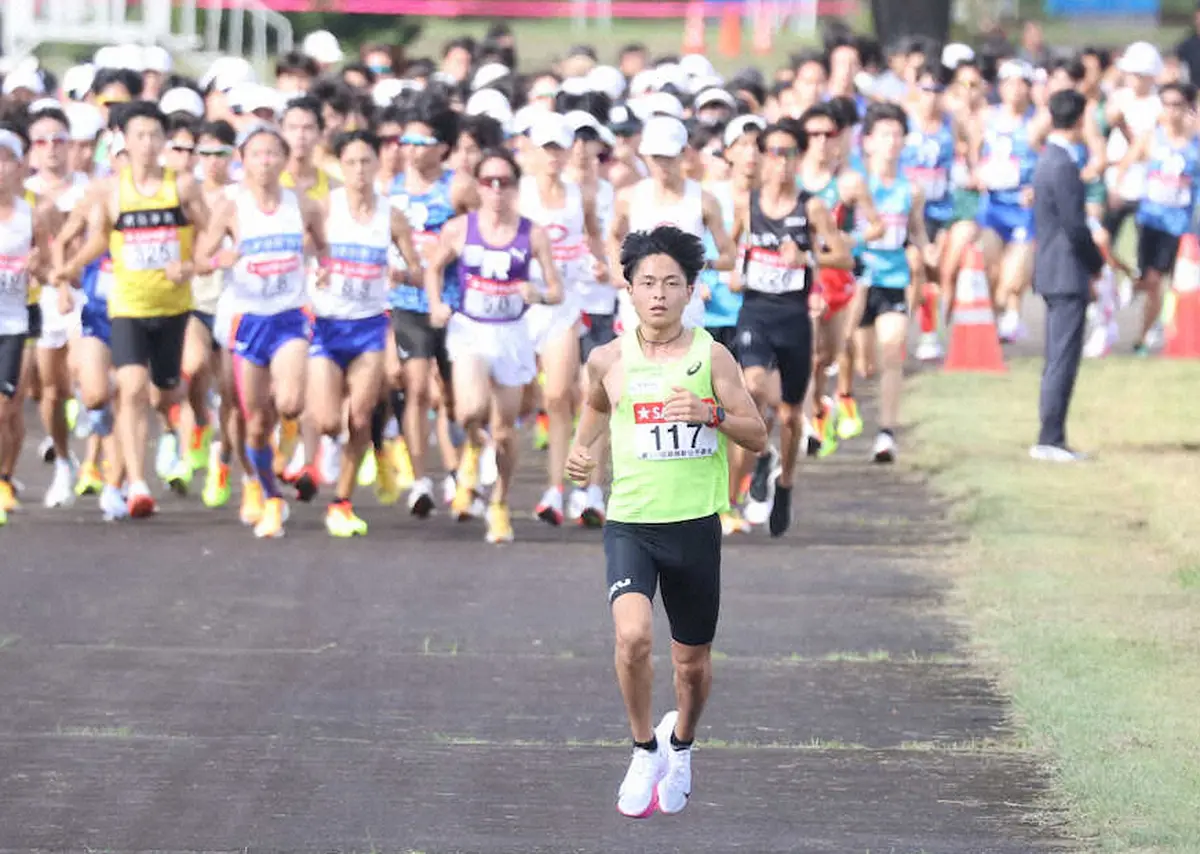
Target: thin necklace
642	338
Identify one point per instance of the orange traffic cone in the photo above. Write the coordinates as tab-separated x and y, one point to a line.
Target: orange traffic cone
974	344
730	42
693	28
1183	332
764	30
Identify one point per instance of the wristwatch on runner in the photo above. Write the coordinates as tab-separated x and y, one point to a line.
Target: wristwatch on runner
718	416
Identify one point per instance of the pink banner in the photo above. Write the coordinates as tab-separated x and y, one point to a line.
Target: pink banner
523	8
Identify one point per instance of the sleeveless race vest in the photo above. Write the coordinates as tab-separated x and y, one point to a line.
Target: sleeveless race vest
564	227
151	232
596	297
491	276
269	276
1007	158
358	266
723	305
763	270
426	213
926	162
16	242
687	215
1170	190
887	265
665	471
318	192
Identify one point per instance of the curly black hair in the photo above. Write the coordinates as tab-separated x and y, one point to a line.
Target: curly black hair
685	249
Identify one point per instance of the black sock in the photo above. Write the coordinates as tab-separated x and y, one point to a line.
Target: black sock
398	400
339	502
378	420
676	744
887	431
651	745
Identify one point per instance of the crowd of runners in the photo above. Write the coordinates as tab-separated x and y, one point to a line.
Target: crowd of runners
361	274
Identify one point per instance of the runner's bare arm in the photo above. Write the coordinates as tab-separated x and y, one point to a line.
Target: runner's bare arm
221	223
450	243
975	132
100	226
1136	153
853	188
831	248
41	260
539	242
595	412
1097	148
76	224
191	199
1039	128
714	221
313	214
593	230
742	424
616	234
402	237
917	235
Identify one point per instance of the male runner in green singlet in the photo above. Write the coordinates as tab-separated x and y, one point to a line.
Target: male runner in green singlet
672	397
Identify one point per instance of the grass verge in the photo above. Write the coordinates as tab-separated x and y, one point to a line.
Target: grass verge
1081	584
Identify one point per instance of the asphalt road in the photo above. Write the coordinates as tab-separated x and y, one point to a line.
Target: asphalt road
176	685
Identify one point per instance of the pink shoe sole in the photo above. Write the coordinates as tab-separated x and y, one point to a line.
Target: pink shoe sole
650	810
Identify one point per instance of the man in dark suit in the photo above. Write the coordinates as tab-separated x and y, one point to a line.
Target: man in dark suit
1065	263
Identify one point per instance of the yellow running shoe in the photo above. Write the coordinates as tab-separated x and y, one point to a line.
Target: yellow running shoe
733	523
402	462
3	518
197	453
89	482
387	489
341	522
8	498
71	411
460	507
216	487
541	432
468	467
367	470
849	423
499	524
252	502
274	514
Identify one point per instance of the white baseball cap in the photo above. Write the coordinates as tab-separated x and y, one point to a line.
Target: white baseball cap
116	143
1015	69
738	127
580	119
227	72
182	100
715	96
389	89
606	79
250	97
108	56
955	54
85	120
551	129
644	82
323	47
24	78
44	104
1141	58
155	58
663	136
664	104
696	65
488	74
701	84
77	81
523	119
490	102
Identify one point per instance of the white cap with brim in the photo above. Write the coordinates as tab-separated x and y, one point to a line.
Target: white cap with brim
155	58
253	97
551	129
1015	69
24	78
77	81
737	128
44	104
227	72
580	119
490	102
389	89
488	74
255	130
85	120
1142	59
643	83
663	136
955	54
182	100
323	47
523	119
608	80
662	104
711	97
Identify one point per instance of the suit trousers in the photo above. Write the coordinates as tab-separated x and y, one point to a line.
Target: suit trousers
1066	319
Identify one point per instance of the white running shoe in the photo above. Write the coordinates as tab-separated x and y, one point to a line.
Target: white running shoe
46	450
112	504
60	493
330	467
1009	326
674	789
550	508
420	498
449	489
929	348
167	456
1096	344
488	473
885	449
638	795
576	504
594	513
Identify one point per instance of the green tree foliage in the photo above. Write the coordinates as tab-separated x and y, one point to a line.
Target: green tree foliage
353	31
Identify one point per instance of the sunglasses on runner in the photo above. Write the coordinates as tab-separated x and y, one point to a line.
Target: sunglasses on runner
418	140
498	182
181	147
53	139
215	151
784	151
820	134
391	139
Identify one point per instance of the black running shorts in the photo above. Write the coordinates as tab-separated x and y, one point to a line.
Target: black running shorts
155	342
684	558
768	337
417	339
12	348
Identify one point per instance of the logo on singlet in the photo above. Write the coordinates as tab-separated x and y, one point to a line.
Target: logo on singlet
691	372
